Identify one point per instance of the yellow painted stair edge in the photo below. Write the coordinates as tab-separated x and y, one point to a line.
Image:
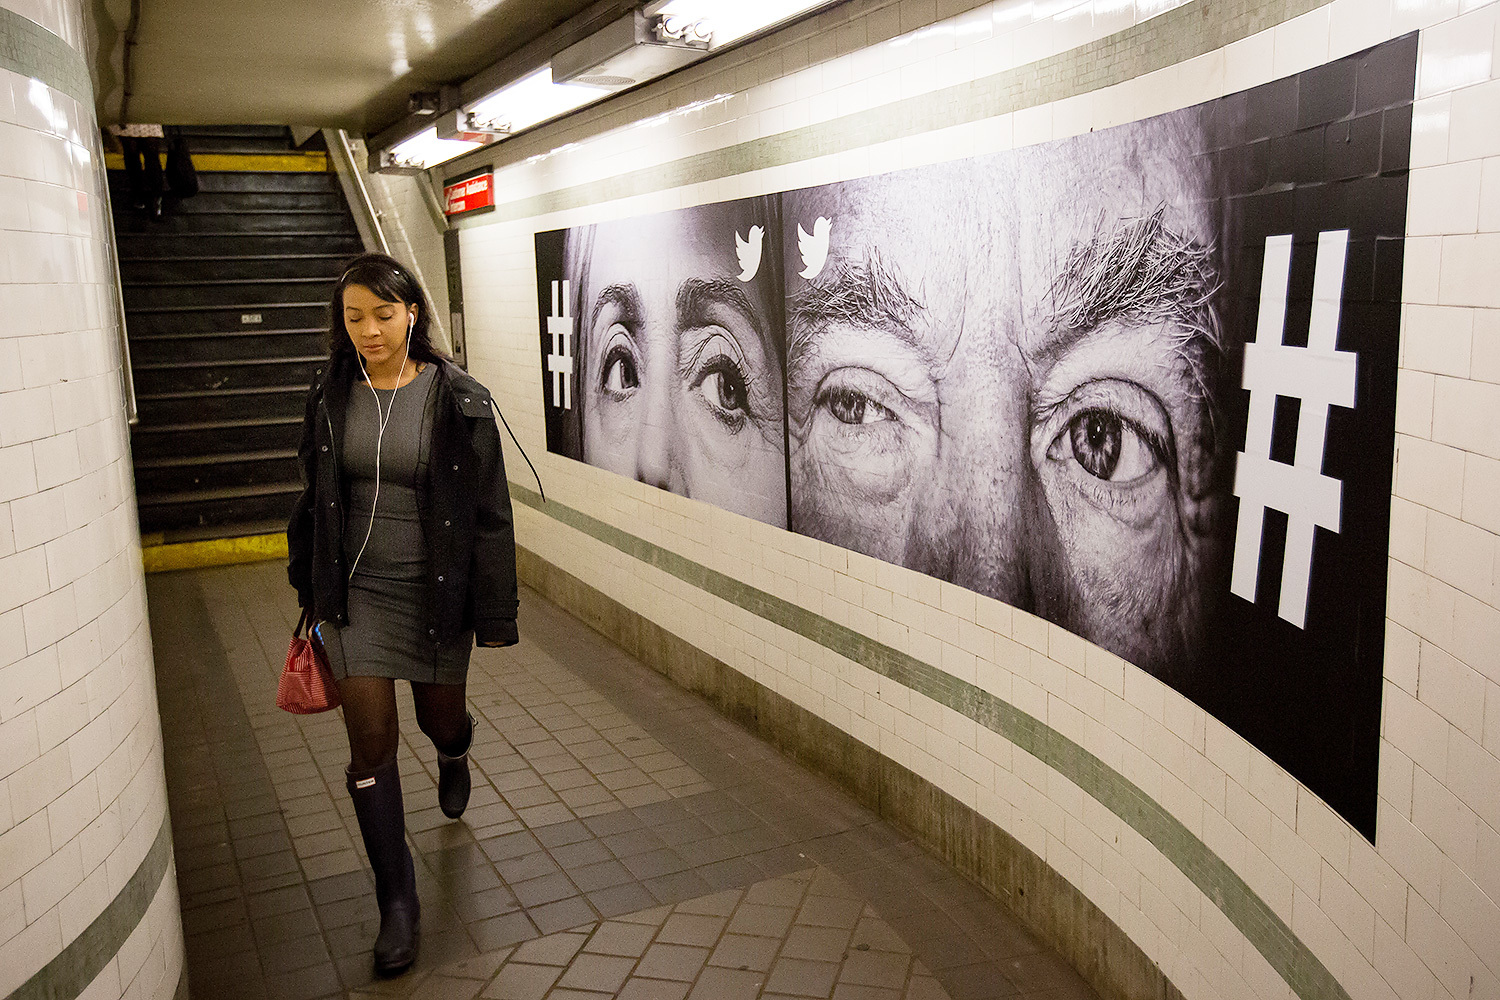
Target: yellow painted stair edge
286	163
213	552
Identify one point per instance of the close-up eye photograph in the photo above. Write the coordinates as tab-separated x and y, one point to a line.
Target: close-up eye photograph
679	348
725	500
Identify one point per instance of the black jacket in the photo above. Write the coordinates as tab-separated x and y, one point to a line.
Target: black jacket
465	511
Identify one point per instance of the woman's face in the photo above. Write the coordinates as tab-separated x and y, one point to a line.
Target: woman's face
377	328
682	384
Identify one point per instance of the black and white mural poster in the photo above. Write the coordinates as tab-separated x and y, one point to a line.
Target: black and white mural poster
1139	382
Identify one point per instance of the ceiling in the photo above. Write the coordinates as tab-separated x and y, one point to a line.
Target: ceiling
326	63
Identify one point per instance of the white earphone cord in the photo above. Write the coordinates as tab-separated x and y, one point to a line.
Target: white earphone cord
382	417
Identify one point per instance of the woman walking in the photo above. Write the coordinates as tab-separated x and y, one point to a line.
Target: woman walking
402	549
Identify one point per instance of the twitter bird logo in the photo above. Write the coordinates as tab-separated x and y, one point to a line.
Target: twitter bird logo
748	252
814	247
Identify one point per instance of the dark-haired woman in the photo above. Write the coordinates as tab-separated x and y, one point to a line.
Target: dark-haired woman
402	550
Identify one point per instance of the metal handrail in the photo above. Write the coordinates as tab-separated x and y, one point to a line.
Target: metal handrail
350	173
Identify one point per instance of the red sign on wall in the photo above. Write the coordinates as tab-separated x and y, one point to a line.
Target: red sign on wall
470	193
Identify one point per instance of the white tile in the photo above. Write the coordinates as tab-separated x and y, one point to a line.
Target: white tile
1430	130
45	885
1357	24
1481	504
1301	43
23	578
17	472
1447	822
1474	777
25	415
1439	945
56	460
1476	109
1422	269
1456	54
1430	474
1463	415
1408	532
1484	359
49	618
1437	339
1249	62
1453	690
34	786
38	518
1416	730
1444	199
1468	268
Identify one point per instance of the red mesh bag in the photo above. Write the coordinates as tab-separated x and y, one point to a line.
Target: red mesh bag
307	685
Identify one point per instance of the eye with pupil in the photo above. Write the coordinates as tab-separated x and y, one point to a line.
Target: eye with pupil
619	371
850	406
723	386
1095	436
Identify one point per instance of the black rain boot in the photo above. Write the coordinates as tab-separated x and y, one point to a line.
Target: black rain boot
382	823
453	779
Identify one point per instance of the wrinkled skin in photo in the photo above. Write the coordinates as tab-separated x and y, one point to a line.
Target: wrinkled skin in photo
680	370
1003	377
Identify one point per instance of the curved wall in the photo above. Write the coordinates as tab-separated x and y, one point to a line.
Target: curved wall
1229	875
88	894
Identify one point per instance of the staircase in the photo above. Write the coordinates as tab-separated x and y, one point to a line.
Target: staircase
226	313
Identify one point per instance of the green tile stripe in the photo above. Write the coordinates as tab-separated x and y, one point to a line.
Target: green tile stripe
1191	30
1307	976
77	965
31	50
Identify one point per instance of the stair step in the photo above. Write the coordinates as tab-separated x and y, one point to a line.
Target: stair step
223	506
206	319
224	458
225	293
207	201
224	404
168	365
188	268
247	331
139	245
165	477
266	223
208	437
224	347
204	376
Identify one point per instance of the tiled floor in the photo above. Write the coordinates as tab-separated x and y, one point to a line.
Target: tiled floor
623	839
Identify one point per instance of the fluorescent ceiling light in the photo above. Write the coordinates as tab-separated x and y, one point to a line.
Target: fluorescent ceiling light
729	20
530	100
425	149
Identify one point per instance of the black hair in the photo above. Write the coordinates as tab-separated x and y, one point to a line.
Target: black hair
389	280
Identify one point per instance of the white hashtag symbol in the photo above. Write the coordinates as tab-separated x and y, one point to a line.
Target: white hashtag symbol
560	361
1319	376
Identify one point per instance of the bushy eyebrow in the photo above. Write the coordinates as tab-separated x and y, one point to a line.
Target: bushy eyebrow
697	296
862	293
1140	271
623	297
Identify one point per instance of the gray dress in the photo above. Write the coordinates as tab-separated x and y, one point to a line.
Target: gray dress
387	631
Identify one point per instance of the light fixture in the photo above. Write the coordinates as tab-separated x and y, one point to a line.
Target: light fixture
423	150
627	51
529	101
649	42
726	21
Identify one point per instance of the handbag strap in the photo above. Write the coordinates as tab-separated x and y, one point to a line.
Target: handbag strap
301	624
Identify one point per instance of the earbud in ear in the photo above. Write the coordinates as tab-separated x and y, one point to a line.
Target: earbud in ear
411	322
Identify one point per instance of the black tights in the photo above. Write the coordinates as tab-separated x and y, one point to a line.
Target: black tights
370	718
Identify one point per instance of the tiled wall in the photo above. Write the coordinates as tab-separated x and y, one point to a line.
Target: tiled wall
87	894
1258	882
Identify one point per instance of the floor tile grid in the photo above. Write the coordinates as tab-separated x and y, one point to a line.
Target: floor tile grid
754	825
804	935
